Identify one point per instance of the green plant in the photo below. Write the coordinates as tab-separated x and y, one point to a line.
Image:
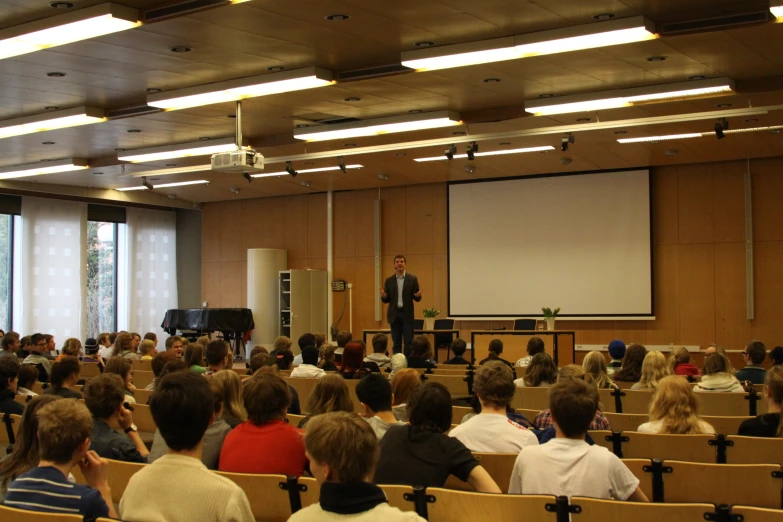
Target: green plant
549	313
430	312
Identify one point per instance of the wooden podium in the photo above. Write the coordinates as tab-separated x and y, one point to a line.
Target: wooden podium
559	344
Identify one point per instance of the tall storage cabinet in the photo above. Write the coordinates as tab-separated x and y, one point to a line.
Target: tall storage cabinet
263	267
304	296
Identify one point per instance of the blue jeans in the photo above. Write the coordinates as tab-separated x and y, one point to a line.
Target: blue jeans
401	330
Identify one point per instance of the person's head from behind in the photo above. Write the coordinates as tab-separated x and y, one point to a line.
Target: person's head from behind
160	360
403	383
28	374
177	365
773	385
714	348
150	336
64	431
194	355
654	368
229	384
716	363
776	356
353	357
147	348
330	393
617	349
65	372
341	447
9	373
282	343
327	353
343	338
572	403
123	343
320	339
310	355
203	340
122	367
262	360
429	408
284	359
494	385
72	347
755	353
398	362
495	348
256	350
10	342
634	357
104	395
306	339
266	398
26	343
380	343
541	370
174	343
574	371
420	346
375	394
458	347
595	364
679	356
183	408
26	452
534	345
217	354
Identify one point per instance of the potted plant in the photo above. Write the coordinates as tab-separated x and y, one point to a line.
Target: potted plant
429	315
549	316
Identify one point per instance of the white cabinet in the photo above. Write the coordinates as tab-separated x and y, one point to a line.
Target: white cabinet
304	296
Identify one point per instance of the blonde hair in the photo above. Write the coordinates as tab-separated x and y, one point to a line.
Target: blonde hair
203	340
594	365
679	356
654	368
146	346
71	346
282	343
327	354
676	406
346	443
230	385
330	393
773	385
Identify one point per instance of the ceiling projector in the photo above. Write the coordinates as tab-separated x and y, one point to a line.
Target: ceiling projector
239	161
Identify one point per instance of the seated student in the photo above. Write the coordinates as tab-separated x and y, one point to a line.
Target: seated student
594	365
458	348
654	368
182	407
104	396
491	431
11	344
194	358
175	344
265	443
281	343
495	349
403	383
309	367
616	352
105	342
123	347
420	353
567	465
147	350
268	363
540	372
25	347
305	340
675	409
64	428
716	376
255	351
71	347
573	371
329	394
91	355
680	363
229	384
158	362
776	356
380	345
38	347
28	375
421	454
327	358
769	424
151	336
375	394
9	373
218	356
534	345
284	359
343	452
354	365
398	362
122	366
755	353
65	375
342	339
631	370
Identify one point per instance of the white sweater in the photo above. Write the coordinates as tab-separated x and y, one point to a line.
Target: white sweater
380	513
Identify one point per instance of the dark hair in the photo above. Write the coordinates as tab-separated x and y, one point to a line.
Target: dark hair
535	345
216	352
399	256
776	355
36	338
160	360
9	339
194	355
573	403
306	339
103	394
494	384
122	343
320	339
25	341
458	347
119	365
9	370
260	360
495	348
541	369
266	398
353	357
173	366
429	408
310	355
420	345
757	352
631	371
343	338
716	363
150	336
284	359
380	343
256	350
182	406
375	391
63	369
28	374
330	393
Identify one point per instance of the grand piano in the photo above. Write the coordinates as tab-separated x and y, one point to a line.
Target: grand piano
233	323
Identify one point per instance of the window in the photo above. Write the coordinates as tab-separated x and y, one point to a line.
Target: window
6	270
101	277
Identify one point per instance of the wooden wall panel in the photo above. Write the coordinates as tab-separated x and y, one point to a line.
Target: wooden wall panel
732	329
364	217
295	226
365	295
342	268
344	224
695	204
768	275
210	283
440	224
665	206
231	284
252	224
729	202
767	196
697	294
393	221
418	213
666	290
316	226
231	232
210	234
274	223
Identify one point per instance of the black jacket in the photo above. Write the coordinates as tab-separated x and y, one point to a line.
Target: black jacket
409	287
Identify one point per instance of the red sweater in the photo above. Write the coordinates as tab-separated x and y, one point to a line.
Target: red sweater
273	448
686	369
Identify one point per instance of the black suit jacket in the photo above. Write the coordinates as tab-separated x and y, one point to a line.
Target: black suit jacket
409	287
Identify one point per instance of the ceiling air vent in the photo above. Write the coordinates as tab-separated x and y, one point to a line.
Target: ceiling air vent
129	112
372	72
181	8
715	24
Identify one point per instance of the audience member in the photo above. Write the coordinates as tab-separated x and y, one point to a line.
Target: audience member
105	398
147	350
716	348
65	375
91	355
256	350
136	341
380	346
37	347
616	353
229	384
544	419
122	367
11	345
183	409
309	367
329	394
268	363
25	347
342	339
158	362
282	343
320	339
72	347
173	366
375	395
105	341
755	353
422	454
25	455
51	346
675	409
491	431
203	341
458	348
305	340
568	465
9	373
174	343
218	356
354	365
28	374
776	356
265	443
326	362
123	347
716	376
768	424
419	352
64	428
194	357
151	336
534	345
631	370
398	362
541	371
495	349
343	453
284	359
654	368
680	363
594	365
403	383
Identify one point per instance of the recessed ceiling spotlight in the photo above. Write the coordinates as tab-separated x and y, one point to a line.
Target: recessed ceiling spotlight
424	44
604	16
47	143
775	131
671	152
546	95
51	108
349	145
171	164
751	120
119	149
302	126
231	116
657	58
154	90
205	138
353	99
97	173
504	143
337	17
621	132
459	133
383	176
583	120
723	105
133	131
414	111
400	153
61	5
697	77
180	49
309	163
491	80
275	68
55	74
305	183
154	179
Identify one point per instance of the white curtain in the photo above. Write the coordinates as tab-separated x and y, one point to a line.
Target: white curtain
152	268
54	267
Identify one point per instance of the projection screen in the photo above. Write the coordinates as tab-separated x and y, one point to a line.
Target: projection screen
579	242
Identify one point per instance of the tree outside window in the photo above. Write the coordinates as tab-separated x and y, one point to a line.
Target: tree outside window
101	277
6	264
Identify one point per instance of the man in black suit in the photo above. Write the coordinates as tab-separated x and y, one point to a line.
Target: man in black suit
400	290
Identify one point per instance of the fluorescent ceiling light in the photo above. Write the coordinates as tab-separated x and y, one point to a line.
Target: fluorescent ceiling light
630	97
233	90
377	126
777	10
44	167
181	150
305	171
51	120
83	24
165	185
490	153
669	137
590	36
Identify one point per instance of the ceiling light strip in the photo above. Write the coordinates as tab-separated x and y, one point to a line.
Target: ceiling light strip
305	171
51	120
165	185
670	137
180	150
43	168
777	9
378	126
490	153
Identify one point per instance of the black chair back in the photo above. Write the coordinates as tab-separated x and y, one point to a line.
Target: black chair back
444	324
524	324
418	324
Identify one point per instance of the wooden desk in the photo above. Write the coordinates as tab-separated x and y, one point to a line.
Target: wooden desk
559	344
454	335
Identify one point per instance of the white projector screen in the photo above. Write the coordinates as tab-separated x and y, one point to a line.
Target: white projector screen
580	242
